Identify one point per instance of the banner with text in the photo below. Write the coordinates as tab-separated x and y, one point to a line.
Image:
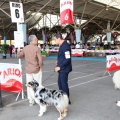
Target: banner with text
66	12
113	63
11	77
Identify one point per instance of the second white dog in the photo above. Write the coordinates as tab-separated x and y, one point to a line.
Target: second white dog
116	79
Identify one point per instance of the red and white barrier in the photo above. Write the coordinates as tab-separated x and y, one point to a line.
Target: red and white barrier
102	51
90	51
77	52
113	62
11	77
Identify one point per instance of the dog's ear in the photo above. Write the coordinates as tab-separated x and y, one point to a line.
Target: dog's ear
30	83
36	83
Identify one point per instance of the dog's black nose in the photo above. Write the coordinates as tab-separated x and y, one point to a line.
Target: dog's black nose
116	102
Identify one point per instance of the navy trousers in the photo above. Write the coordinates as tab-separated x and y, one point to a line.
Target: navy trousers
63	82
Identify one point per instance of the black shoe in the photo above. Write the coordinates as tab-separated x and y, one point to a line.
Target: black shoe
69	103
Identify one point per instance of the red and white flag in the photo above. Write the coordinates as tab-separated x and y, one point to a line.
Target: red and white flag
11	77
113	63
66	12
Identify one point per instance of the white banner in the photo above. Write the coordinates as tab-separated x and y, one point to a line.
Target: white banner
18	39
11	77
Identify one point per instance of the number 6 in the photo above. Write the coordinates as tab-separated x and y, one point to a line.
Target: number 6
66	16
17	13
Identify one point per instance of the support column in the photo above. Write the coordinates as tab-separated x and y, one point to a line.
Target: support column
5	38
22	27
109	39
78	35
109	35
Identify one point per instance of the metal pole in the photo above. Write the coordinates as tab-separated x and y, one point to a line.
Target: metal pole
83	12
5	12
38	11
51	22
93	17
116	27
97	24
115	20
0	96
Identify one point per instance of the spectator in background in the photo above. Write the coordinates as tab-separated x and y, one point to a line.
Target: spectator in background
83	45
77	46
72	46
47	49
10	50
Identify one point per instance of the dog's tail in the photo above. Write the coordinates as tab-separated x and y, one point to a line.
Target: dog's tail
66	99
63	103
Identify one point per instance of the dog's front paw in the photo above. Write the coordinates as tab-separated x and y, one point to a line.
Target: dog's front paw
30	104
40	114
118	103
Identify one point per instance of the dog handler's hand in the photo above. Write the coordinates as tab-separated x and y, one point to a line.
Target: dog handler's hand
57	69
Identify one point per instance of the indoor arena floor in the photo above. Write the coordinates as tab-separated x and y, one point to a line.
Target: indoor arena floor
92	93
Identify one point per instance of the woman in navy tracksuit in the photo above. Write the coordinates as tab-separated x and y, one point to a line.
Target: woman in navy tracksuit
64	65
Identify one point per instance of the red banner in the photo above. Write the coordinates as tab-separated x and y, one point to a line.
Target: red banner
113	63
10	77
66	12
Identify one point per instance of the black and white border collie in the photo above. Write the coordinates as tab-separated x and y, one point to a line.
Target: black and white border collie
45	97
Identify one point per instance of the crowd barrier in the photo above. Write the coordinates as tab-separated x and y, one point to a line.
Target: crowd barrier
80	52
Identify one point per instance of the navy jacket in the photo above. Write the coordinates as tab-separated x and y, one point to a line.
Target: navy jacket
64	58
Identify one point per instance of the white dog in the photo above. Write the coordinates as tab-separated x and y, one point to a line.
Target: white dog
118	103
116	79
44	97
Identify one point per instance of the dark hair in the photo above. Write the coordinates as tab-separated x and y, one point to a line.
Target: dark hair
58	35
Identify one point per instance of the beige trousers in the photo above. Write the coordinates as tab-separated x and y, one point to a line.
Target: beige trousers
30	77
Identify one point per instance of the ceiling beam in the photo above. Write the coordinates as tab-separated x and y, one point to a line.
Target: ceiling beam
93	17
38	11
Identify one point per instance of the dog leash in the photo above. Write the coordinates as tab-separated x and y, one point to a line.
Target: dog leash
48	77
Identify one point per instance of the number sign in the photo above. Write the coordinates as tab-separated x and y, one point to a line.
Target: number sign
66	12
16	12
